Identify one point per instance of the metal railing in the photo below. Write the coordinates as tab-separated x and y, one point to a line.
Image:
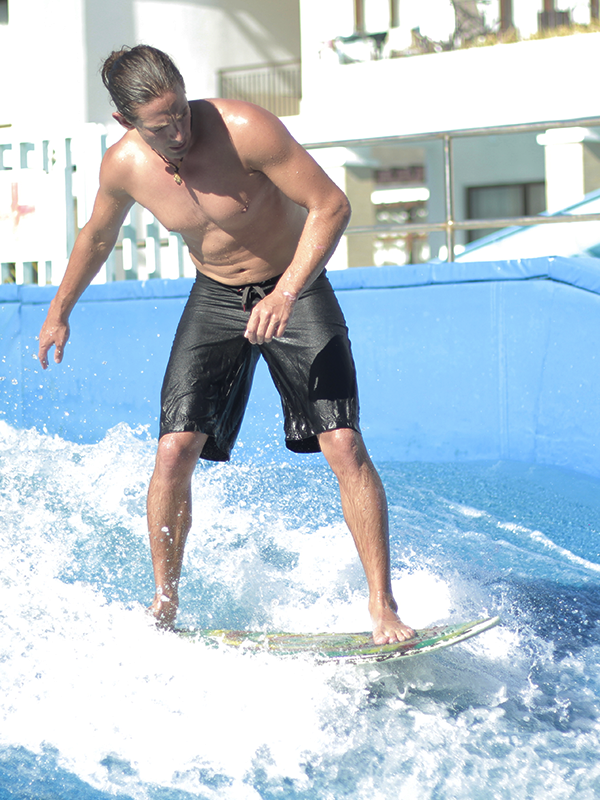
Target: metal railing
276	87
450	225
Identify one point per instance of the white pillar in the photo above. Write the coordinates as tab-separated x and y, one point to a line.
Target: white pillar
565	162
333	161
352	172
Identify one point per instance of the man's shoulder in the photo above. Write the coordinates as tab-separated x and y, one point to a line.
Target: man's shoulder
235	113
120	162
125	150
253	130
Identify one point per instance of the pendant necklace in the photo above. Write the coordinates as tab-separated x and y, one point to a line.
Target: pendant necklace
176	167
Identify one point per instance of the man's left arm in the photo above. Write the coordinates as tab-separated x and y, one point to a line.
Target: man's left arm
267	146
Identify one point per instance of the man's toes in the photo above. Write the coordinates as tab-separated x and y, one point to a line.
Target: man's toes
395	635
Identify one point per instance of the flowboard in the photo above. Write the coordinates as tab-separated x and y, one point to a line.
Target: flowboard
349	648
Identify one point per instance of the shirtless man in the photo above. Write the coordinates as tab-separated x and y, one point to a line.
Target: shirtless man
261	220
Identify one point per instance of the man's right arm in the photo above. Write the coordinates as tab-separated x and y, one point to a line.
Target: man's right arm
92	247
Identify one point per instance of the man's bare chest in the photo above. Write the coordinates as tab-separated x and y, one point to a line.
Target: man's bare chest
207	201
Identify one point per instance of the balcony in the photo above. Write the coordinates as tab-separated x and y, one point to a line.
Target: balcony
276	87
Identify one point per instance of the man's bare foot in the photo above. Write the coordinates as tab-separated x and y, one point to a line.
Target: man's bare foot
164	609
387	625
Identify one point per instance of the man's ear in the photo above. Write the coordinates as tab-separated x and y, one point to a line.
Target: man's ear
123	121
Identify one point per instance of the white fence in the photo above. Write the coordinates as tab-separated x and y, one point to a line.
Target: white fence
47	190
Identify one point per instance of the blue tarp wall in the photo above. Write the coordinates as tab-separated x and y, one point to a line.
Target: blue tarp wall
455	362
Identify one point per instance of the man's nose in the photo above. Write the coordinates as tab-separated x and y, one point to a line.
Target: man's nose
176	132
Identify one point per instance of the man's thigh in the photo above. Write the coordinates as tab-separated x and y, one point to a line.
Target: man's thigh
313	369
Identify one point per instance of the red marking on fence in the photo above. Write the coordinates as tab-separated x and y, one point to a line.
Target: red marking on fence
17	212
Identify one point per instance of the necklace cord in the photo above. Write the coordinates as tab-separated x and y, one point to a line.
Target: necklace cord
175	167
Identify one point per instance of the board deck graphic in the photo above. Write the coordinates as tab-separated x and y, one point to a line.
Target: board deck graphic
348	648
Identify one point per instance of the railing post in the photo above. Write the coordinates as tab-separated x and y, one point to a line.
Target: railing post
449	196
130	249
3	149
176	243
153	256
69	199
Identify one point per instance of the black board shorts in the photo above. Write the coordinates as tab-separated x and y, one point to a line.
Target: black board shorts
210	370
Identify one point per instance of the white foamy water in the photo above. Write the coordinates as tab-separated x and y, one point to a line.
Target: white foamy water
96	703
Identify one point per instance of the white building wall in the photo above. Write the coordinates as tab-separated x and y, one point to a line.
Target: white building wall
201	36
44	82
506	84
53	49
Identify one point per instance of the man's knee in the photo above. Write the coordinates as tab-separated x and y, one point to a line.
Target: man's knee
179	452
343	448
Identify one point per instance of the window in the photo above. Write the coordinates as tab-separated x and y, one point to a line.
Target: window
400	196
507	200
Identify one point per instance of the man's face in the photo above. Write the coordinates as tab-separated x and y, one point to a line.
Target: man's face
165	124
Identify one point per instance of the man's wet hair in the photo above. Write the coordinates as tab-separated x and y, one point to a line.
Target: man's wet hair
137	75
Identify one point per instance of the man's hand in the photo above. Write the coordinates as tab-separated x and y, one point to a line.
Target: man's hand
53	333
269	318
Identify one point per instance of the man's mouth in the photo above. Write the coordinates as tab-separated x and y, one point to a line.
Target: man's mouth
178	148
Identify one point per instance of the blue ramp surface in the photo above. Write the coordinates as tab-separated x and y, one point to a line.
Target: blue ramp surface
456	361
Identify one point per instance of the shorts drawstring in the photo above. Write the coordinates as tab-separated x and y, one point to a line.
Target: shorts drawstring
251	292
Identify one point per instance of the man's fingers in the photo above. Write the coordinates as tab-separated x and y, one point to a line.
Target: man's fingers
271	329
258	326
269	318
281	327
51	336
266	330
43	355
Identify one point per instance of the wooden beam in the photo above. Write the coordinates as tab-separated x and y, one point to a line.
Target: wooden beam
506	15
359	16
